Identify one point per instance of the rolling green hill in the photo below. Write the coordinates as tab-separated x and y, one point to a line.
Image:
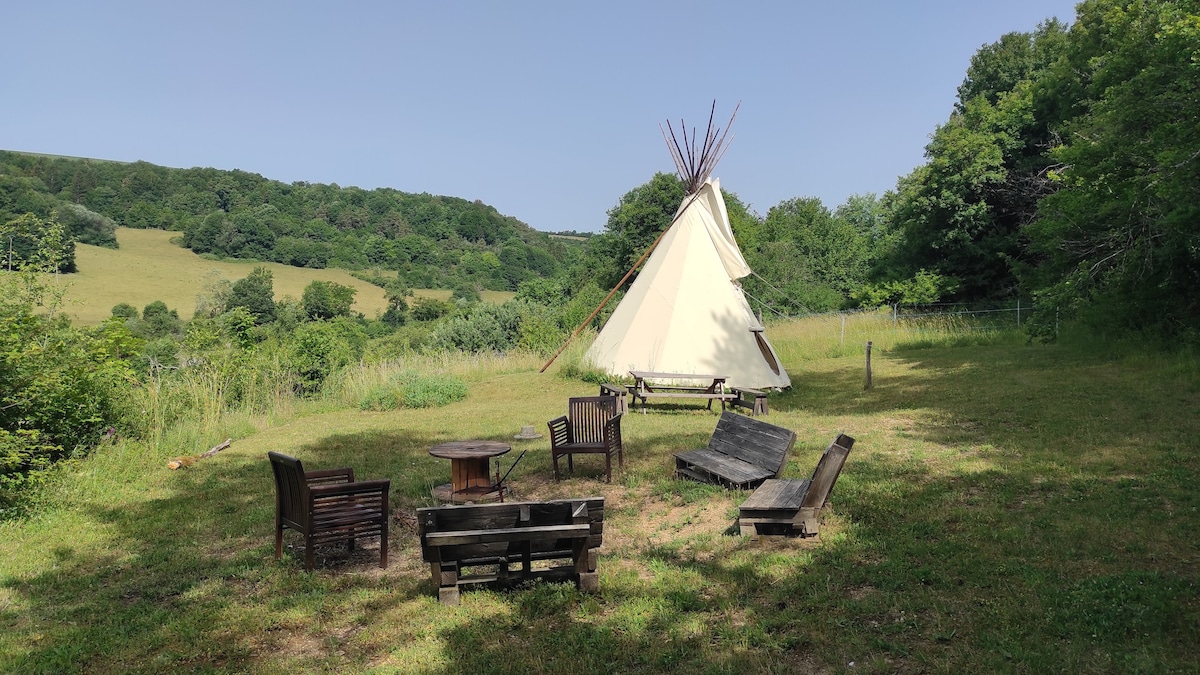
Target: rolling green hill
148	267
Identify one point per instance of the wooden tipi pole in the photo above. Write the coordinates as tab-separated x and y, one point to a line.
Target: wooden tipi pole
695	165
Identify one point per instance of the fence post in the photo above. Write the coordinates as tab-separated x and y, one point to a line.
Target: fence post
1018	312
868	365
843	330
895	310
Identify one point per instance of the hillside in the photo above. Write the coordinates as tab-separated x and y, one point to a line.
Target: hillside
431	241
148	267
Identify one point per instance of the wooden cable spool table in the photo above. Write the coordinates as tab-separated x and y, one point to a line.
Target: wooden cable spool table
471	480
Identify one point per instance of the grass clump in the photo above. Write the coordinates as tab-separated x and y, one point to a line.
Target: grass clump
410	389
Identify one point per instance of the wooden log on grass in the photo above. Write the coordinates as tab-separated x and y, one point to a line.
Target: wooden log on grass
180	462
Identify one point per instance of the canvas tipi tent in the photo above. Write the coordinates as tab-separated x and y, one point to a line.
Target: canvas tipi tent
686	312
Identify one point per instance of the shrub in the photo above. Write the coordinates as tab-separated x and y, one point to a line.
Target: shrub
25	461
326	300
429	309
319	348
432	392
410	389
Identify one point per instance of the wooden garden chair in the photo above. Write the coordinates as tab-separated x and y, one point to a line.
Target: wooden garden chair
592	425
327	506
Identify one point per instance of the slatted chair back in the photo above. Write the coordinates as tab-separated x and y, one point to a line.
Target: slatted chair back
753	441
290	489
588	415
827	472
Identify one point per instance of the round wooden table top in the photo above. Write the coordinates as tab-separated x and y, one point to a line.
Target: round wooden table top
469	449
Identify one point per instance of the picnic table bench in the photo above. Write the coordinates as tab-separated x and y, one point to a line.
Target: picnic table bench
794	506
742	453
617	391
753	400
457	538
715	390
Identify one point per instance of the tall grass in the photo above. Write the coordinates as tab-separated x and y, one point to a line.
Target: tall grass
828	336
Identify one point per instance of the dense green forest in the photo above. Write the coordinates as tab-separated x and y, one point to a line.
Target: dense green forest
432	241
1067	174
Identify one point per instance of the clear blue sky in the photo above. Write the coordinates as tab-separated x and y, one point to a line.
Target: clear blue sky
549	111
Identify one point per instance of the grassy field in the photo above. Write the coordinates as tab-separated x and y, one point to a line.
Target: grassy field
148	267
1007	508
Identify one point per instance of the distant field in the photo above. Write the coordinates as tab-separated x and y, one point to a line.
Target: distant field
149	267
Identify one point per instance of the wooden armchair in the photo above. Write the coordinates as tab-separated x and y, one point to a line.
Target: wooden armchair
327	506
592	425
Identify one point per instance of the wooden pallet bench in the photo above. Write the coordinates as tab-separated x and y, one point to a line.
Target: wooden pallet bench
793	506
751	399
742	453
458	539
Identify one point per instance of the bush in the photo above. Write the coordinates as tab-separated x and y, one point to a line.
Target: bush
485	328
319	348
25	461
410	389
429	309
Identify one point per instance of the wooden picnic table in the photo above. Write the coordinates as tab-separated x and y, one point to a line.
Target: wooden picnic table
471	480
642	389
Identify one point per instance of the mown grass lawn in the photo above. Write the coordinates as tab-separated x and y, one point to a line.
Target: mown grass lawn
1007	508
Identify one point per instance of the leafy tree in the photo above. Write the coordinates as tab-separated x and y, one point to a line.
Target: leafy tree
323	300
429	309
634	223
59	386
256	293
396	294
319	348
465	293
961	215
159	321
548	292
813	258
1119	238
43	243
87	226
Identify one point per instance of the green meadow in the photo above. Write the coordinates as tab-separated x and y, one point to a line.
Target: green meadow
1007	508
148	267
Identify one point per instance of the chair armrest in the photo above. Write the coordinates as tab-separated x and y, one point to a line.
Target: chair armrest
359	487
327	476
560	431
612	432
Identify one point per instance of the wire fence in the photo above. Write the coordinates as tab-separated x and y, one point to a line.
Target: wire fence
844	332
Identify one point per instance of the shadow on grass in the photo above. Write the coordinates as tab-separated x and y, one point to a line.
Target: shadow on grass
988	571
187	579
1035	515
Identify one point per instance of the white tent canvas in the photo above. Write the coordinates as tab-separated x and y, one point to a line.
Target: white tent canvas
685	312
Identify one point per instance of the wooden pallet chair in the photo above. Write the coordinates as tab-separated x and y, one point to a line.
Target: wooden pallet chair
328	506
742	453
793	506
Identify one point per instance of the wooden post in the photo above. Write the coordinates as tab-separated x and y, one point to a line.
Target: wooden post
1018	312
868	365
843	330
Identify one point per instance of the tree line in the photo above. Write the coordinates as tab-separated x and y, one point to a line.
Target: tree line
1067	173
431	241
